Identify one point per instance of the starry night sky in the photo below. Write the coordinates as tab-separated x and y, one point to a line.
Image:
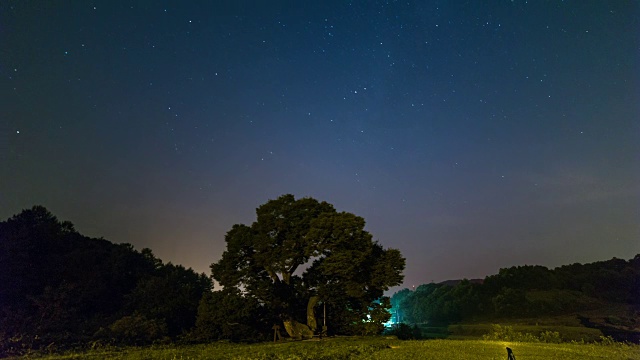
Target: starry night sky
470	135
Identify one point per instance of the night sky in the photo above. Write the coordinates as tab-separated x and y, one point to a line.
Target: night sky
470	135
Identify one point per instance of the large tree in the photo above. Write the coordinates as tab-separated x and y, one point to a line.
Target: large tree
300	254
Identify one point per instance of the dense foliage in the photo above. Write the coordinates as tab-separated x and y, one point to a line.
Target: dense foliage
59	288
524	291
301	257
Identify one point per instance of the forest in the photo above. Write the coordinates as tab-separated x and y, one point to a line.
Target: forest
533	292
60	289
524	291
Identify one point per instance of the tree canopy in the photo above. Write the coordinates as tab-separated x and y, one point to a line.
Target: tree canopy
300	253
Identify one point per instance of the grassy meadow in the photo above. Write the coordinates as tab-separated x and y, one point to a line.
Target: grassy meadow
366	348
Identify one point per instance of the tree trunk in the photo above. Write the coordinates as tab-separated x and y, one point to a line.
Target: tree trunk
311	316
299	330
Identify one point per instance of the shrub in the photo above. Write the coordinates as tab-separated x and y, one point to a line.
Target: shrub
550	337
607	341
137	330
506	333
404	332
500	333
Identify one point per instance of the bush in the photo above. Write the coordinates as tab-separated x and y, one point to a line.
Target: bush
550	337
607	341
500	333
137	330
406	332
506	333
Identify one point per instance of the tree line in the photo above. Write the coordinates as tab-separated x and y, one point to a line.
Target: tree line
523	291
301	262
302	267
59	288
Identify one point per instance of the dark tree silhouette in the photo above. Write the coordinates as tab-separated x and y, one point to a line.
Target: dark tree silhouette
528	291
59	287
340	265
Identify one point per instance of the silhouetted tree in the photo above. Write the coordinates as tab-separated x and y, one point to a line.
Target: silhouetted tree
340	263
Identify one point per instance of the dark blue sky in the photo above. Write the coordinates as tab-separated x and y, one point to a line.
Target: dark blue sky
470	135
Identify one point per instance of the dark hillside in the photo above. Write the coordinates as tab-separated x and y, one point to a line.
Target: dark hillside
59	288
603	295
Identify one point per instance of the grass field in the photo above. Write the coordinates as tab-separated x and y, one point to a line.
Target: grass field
369	348
567	333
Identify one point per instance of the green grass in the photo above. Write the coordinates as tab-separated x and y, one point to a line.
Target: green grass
567	333
477	349
569	330
368	348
